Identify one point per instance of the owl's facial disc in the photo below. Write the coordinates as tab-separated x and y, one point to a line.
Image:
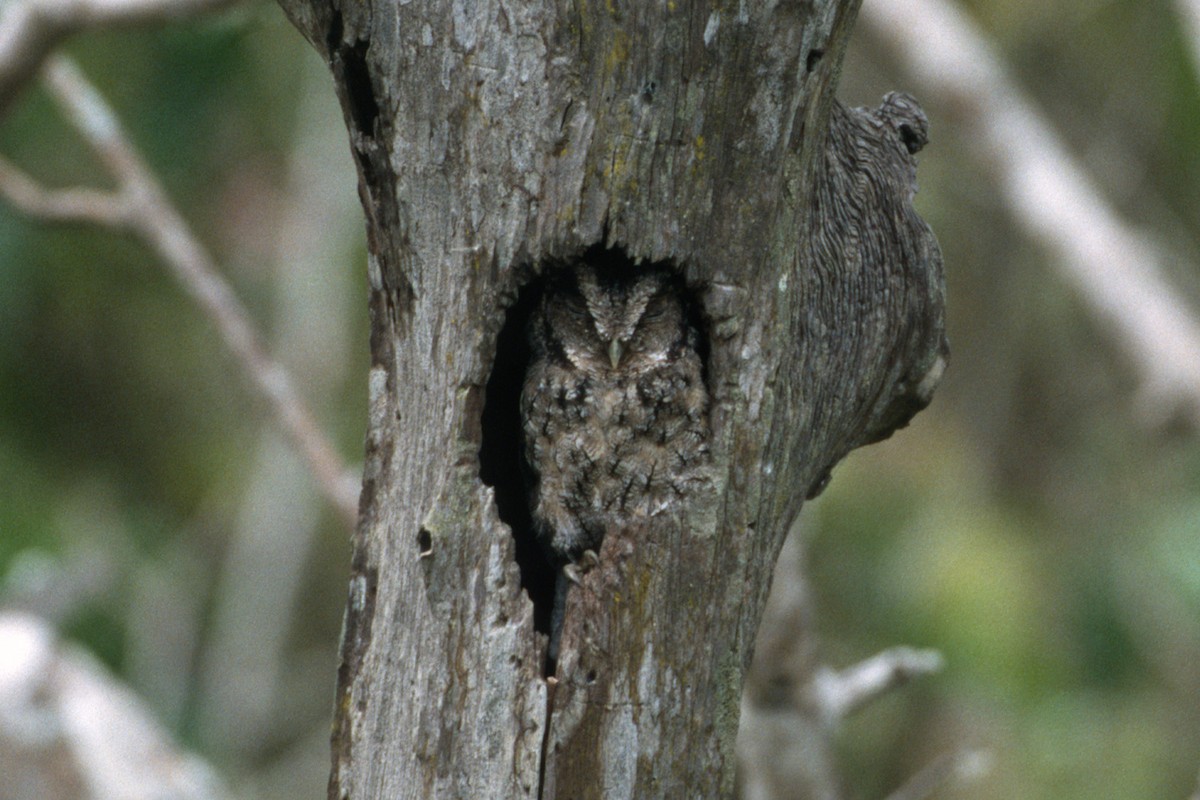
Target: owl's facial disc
614	322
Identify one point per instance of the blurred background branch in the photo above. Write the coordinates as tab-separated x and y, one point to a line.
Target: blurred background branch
140	205
838	693
245	679
228	662
31	29
1115	268
68	729
62	205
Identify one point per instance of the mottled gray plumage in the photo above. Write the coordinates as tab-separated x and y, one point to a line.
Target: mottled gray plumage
614	406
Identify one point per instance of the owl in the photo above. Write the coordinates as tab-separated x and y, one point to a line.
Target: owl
614	405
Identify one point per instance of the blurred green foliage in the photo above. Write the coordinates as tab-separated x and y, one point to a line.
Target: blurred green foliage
1039	524
1032	524
129	438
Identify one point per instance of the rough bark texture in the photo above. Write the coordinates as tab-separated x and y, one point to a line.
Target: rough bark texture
493	141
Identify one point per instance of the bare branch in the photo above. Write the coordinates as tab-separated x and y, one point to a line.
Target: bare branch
961	766
141	205
63	205
791	706
31	29
837	694
1116	269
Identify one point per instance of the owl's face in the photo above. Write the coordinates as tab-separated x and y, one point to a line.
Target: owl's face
614	322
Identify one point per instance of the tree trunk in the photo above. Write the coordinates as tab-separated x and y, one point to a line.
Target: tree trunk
496	141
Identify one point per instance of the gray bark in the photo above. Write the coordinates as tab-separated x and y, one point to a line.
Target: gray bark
493	141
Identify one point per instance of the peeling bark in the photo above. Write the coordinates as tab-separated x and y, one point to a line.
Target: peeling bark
493	141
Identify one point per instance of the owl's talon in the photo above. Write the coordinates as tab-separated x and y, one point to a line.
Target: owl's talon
575	570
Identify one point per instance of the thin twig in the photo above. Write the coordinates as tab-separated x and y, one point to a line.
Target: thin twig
837	694
31	29
1117	269
62	205
140	204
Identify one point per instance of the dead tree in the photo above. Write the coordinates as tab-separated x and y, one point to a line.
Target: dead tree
497	140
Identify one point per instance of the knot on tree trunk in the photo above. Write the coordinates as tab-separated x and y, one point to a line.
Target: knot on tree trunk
886	260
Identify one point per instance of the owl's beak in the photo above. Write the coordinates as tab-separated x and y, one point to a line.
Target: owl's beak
615	350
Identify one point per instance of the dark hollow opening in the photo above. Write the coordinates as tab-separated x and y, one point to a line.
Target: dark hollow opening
501	452
814	58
